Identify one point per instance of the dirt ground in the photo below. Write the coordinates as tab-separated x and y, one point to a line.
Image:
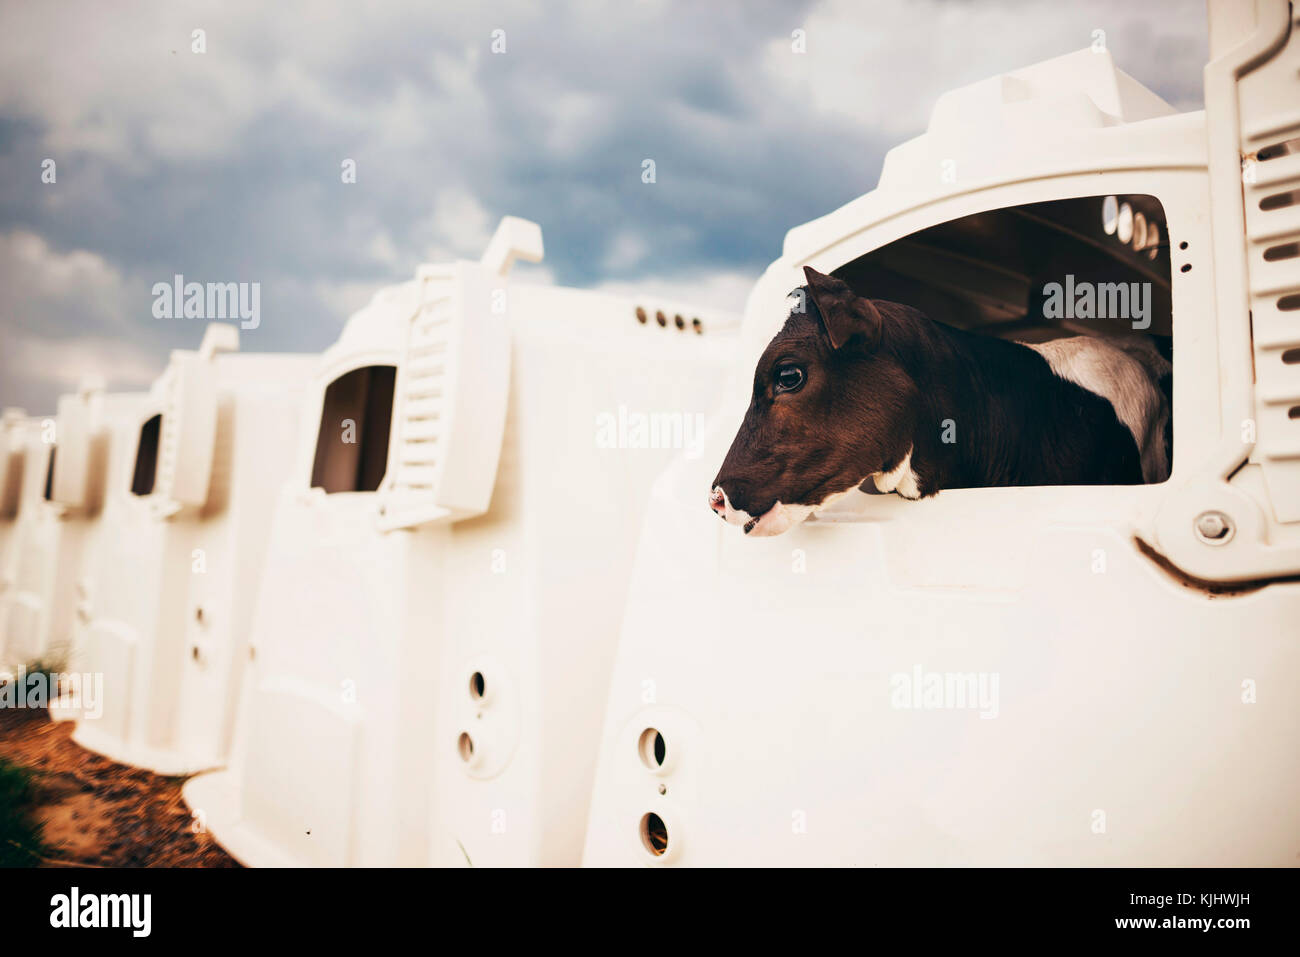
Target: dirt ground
93	812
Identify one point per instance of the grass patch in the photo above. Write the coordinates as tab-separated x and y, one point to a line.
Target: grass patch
20	838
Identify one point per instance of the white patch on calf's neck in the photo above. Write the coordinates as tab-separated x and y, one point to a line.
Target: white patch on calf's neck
900	479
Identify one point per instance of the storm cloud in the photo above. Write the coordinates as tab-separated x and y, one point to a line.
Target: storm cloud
225	165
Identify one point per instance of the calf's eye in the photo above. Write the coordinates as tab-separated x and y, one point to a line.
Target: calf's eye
788	378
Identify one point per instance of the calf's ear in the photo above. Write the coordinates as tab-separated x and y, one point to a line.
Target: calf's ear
844	313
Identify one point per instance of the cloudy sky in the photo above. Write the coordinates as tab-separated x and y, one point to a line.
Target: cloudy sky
225	165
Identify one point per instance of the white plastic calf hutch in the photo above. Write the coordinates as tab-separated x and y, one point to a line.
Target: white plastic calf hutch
32	542
998	676
17	511
442	598
13	452
115	431
53	491
167	597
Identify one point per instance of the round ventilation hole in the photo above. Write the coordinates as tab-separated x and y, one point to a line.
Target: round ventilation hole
465	746
477	686
653	749
654	834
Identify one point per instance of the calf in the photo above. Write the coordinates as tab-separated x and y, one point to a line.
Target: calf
855	391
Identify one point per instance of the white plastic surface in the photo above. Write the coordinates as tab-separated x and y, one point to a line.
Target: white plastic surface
371	627
1129	724
42	546
172	576
453	380
19	560
79	466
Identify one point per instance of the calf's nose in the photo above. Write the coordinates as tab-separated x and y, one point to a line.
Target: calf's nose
717	501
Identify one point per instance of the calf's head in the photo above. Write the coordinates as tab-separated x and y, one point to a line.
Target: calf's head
830	409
